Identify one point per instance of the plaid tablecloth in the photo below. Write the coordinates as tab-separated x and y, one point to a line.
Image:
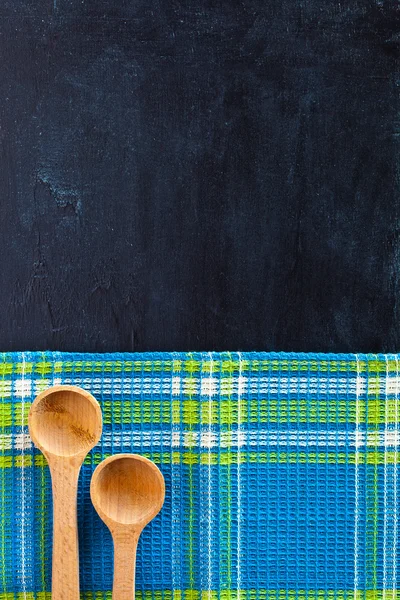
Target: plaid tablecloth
281	470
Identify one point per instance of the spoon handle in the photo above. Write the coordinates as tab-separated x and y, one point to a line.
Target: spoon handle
125	545
65	573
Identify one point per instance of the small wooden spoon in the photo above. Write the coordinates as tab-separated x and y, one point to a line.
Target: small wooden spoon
65	423
127	491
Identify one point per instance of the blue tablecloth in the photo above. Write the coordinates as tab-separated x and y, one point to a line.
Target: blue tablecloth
281	472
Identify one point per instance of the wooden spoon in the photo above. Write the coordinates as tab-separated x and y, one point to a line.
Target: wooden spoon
65	423
127	491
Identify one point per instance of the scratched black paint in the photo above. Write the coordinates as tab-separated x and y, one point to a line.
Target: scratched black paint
199	175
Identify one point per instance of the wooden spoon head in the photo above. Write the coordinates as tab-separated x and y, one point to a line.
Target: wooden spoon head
127	491
65	421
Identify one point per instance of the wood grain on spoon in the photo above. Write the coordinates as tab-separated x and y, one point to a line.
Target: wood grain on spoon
127	490
65	423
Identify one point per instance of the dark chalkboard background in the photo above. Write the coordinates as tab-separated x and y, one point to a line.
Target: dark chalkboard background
199	175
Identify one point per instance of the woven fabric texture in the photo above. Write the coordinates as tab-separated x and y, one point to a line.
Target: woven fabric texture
281	471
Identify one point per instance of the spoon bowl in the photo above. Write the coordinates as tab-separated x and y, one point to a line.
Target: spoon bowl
65	421
127	489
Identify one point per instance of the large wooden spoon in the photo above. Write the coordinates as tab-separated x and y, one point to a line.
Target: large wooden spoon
65	423
127	491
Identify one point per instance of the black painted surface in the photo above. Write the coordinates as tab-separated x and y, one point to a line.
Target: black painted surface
199	175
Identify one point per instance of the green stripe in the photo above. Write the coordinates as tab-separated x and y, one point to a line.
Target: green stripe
220	365
251	594
375	415
192	411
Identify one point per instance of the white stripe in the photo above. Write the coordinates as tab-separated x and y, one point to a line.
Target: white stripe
392	383
239	492
176	481
18	441
385	490
389	438
357	488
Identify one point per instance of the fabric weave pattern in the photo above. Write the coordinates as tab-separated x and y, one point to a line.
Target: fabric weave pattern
281	474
